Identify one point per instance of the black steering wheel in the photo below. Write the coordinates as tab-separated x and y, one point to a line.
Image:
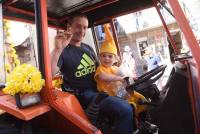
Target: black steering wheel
148	78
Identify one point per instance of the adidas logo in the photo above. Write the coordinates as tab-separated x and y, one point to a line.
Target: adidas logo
85	67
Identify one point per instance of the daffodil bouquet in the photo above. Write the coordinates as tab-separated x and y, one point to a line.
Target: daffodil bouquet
24	79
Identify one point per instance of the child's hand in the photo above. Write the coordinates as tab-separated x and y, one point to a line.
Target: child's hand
122	93
134	78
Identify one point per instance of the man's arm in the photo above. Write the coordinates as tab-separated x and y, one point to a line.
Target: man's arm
54	60
61	41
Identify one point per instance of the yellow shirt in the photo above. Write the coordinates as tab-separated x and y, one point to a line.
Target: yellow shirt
111	87
108	87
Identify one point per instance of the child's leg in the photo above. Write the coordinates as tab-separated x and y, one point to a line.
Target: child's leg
137	96
120	113
134	118
134	98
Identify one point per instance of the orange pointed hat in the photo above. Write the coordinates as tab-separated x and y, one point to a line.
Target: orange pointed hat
108	46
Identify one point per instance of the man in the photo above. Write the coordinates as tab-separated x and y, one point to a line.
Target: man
153	60
77	62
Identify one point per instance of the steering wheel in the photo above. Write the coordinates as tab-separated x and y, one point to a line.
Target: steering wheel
148	78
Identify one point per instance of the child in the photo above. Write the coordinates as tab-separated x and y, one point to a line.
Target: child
107	75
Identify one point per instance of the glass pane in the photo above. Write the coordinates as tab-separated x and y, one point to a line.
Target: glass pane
191	10
19	44
142	38
100	33
20	52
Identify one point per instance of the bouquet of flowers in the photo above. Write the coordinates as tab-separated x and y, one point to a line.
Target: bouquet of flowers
24	79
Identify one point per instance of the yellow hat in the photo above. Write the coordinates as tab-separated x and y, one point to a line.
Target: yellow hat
108	46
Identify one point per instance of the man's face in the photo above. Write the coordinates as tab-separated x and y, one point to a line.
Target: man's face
79	27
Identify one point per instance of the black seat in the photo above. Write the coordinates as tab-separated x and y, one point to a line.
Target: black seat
174	114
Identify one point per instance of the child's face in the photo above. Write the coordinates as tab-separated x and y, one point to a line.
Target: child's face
107	59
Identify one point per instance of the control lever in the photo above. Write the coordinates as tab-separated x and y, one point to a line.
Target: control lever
129	86
2	86
146	102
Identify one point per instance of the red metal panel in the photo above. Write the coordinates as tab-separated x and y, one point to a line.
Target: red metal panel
166	28
115	37
95	39
9	2
17	10
48	77
186	29
8	104
68	106
18	19
98	5
193	93
93	7
106	19
28	21
194	46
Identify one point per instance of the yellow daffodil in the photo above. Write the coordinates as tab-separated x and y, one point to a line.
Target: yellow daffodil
10	54
8	68
16	62
23	79
57	83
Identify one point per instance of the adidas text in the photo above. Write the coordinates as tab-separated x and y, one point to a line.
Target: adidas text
85	71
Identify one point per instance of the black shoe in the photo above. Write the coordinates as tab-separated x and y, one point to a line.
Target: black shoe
137	132
92	110
150	128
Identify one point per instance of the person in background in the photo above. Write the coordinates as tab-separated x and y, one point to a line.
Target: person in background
128	63
153	60
77	62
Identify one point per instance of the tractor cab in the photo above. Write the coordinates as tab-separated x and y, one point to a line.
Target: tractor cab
176	103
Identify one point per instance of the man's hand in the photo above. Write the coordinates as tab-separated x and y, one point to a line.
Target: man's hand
63	39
